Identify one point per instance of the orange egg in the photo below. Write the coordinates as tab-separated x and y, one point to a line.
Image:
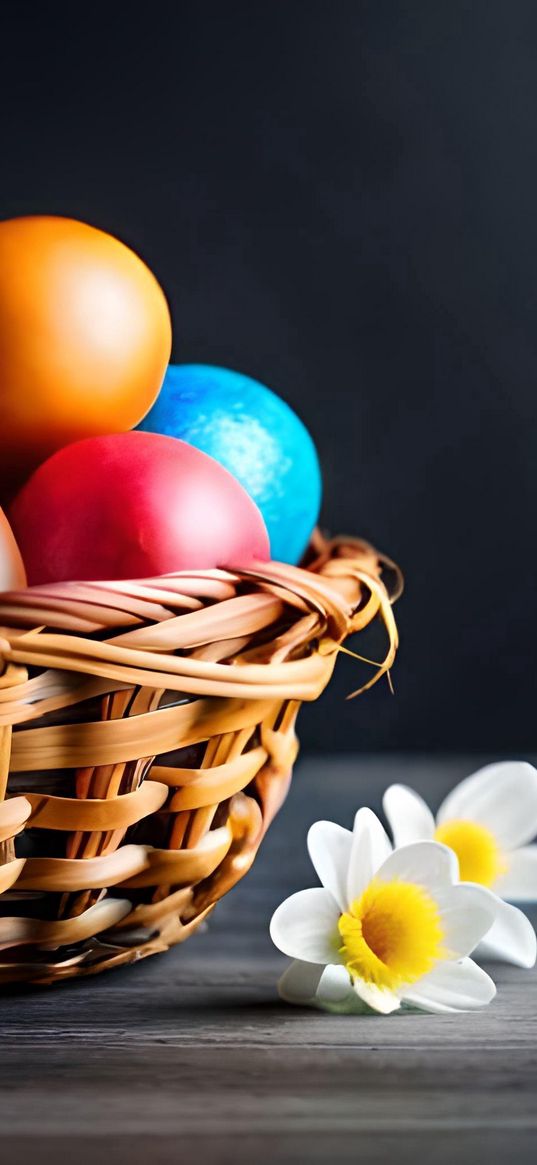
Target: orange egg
12	572
85	339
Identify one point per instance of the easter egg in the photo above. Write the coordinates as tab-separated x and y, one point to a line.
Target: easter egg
133	505
85	338
12	573
254	434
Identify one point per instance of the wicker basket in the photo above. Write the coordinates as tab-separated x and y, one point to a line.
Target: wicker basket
147	741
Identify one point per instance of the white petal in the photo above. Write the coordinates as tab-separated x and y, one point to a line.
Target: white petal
300	981
409	818
502	797
310	985
329	848
305	926
334	985
459	986
370	847
511	937
519	883
379	998
426	863
467	913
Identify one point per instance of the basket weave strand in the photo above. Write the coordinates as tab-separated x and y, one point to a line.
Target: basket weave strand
147	739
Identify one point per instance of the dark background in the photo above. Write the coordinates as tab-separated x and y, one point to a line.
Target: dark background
340	199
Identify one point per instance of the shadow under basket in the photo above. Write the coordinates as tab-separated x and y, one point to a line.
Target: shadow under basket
147	739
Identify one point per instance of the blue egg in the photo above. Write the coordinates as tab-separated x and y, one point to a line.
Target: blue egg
256	436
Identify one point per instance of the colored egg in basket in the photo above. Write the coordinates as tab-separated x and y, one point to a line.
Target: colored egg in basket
133	505
85	337
254	434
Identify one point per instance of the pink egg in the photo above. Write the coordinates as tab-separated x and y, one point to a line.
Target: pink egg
133	505
12	572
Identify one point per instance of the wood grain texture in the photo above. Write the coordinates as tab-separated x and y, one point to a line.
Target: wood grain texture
190	1057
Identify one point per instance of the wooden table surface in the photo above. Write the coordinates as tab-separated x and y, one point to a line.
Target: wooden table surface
190	1057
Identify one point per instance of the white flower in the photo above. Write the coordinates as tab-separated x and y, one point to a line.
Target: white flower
487	820
385	927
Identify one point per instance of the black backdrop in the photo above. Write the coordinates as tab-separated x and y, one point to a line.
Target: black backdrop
340	199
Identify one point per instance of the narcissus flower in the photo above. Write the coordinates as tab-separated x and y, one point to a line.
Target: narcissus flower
385	927
486	820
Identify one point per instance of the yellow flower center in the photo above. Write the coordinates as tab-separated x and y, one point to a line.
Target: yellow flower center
392	935
480	859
